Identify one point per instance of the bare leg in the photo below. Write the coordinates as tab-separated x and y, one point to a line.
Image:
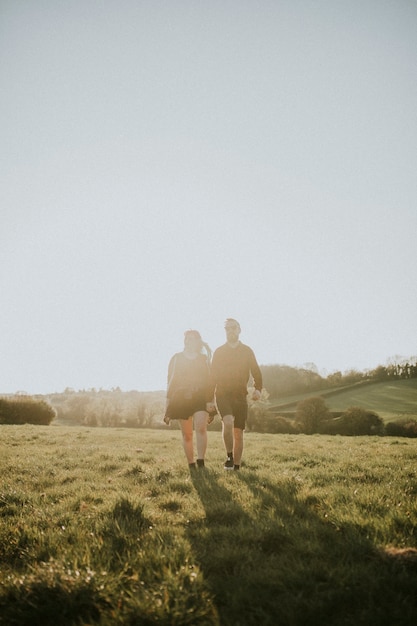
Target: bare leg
238	447
187	438
200	425
228	432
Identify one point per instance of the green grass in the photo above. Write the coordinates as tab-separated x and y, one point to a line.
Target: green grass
389	399
107	527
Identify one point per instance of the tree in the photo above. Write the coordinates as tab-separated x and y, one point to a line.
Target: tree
358	421
379	373
335	379
309	413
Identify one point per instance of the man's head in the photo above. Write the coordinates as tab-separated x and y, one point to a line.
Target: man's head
232	329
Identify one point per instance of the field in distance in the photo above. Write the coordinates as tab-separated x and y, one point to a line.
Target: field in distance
390	399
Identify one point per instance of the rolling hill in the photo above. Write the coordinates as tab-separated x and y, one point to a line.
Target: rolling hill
390	399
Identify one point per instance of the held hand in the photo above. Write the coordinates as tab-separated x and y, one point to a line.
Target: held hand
256	395
211	410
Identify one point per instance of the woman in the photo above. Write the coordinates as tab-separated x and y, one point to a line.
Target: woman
188	383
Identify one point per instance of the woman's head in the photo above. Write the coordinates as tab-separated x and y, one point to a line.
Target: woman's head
194	342
192	339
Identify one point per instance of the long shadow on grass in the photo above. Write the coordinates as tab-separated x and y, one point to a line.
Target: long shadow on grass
274	558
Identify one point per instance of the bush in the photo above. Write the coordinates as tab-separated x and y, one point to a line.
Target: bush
310	413
356	421
282	425
258	411
404	427
26	411
332	426
267	423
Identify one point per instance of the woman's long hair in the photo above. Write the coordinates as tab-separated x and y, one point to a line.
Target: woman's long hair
203	344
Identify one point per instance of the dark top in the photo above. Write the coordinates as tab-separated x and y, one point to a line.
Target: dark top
231	369
189	374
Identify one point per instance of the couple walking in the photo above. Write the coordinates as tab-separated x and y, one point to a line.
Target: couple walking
199	387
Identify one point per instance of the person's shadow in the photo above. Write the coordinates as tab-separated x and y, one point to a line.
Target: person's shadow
285	561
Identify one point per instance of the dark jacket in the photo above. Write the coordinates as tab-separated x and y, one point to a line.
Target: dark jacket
231	369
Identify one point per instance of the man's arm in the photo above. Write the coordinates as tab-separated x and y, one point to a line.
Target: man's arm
256	372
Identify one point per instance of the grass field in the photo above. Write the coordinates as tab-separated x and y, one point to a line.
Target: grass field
387	399
107	527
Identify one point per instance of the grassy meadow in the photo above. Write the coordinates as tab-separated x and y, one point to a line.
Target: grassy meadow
388	399
108	527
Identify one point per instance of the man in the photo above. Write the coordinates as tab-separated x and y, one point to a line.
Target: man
232	365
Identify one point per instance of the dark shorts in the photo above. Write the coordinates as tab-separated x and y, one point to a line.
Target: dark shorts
230	404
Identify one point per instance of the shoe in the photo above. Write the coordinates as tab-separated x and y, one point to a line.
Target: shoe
200	464
228	465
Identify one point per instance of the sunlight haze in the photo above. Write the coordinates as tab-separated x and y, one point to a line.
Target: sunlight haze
168	164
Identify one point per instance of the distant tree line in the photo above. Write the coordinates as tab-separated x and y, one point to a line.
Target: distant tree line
132	409
135	409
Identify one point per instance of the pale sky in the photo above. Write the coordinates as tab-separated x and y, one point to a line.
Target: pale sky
167	164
